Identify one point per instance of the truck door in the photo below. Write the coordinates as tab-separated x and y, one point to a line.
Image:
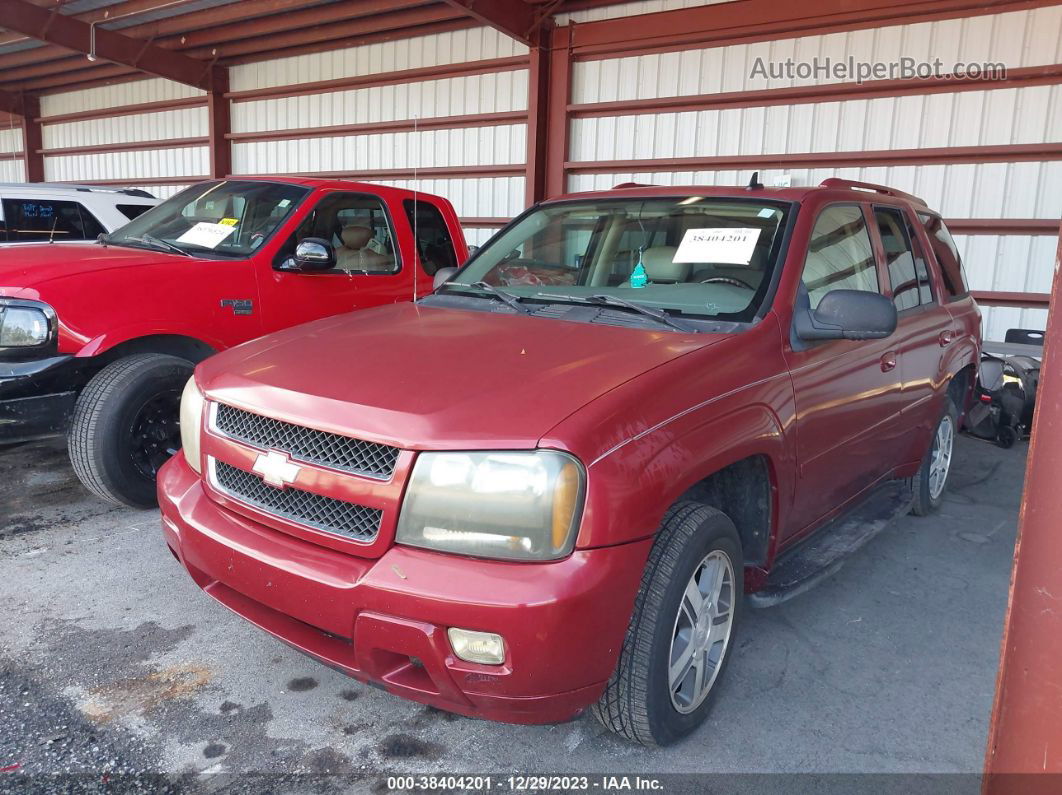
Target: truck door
369	263
847	392
921	329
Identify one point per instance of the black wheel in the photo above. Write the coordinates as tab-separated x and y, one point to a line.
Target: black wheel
1006	437
932	477
681	631
126	425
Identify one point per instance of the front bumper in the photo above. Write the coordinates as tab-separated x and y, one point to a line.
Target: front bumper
384	621
37	397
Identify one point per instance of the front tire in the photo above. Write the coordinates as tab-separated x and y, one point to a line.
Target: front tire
932	477
126	424
681	631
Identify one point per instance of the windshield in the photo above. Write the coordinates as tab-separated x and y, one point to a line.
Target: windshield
228	219
692	256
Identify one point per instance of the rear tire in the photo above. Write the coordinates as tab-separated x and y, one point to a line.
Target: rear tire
931	480
126	424
696	549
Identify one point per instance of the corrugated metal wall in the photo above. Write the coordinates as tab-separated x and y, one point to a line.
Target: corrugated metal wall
12	166
99	117
992	117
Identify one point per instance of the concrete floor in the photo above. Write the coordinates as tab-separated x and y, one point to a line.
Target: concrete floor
112	660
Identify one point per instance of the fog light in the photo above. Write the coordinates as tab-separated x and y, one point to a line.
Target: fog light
477	647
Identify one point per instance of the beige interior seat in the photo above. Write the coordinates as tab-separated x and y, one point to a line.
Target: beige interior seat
660	266
355	254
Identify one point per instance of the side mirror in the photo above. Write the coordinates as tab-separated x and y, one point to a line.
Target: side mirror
313	254
442	276
848	315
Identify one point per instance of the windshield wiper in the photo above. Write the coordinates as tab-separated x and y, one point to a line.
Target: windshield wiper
157	243
601	299
506	298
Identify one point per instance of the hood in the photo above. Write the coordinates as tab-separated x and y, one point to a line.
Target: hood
29	266
432	378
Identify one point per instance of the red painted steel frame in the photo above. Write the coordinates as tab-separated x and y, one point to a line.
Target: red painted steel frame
1025	735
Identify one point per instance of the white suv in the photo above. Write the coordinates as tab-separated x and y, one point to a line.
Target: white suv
34	212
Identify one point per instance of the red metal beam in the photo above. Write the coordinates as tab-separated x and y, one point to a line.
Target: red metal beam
829	92
31	139
377	127
1013	300
1005	153
1002	226
1025	734
558	125
73	34
12	102
763	20
538	120
219	125
512	17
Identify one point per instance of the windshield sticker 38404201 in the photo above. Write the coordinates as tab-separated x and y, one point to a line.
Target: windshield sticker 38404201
722	245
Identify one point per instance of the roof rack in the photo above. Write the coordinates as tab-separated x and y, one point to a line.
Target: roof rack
633	185
81	188
851	184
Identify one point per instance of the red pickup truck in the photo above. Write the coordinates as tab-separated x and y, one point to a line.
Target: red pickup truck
99	340
547	486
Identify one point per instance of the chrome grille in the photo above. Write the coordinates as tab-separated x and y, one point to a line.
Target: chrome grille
306	444
346	519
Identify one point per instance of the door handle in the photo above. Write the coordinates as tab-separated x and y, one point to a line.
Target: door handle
888	361
946	338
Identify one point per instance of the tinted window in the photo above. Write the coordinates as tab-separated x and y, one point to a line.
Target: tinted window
434	243
356	225
898	257
132	211
45	219
840	256
947	255
925	284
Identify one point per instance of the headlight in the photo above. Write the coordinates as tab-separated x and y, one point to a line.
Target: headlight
513	506
24	325
192	403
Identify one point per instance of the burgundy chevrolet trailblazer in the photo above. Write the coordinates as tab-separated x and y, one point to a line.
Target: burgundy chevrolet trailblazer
548	486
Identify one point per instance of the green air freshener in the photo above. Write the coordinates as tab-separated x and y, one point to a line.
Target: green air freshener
639	278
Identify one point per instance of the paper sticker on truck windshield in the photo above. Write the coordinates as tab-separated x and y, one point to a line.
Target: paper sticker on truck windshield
723	245
206	234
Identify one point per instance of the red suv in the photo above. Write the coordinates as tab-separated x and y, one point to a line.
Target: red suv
99	340
546	487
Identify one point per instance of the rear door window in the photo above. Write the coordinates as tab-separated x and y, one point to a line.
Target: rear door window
132	211
434	243
899	258
947	254
840	256
48	219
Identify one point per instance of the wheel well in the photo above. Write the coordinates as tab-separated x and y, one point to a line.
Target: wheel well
173	344
742	491
960	388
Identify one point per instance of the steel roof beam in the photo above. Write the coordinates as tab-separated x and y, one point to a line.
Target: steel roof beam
73	34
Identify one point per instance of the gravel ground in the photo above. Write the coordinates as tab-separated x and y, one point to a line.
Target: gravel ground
115	668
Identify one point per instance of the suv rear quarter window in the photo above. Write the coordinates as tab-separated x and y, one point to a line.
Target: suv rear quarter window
947	255
49	219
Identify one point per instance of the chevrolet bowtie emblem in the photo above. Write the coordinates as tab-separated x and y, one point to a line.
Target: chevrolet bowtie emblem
276	469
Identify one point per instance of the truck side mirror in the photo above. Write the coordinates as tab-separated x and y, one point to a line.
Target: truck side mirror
312	254
846	314
442	276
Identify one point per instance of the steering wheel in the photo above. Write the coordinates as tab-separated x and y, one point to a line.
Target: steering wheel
730	281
